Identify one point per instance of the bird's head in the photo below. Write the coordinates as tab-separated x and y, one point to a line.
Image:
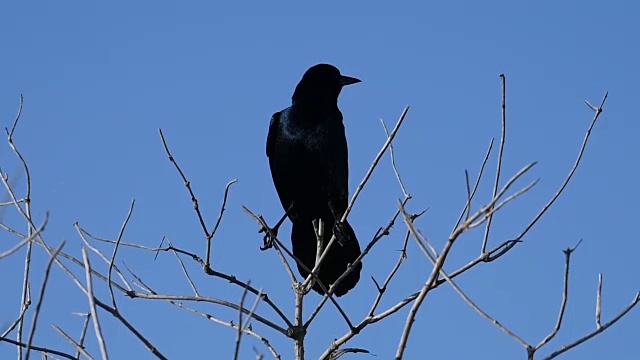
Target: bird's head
321	84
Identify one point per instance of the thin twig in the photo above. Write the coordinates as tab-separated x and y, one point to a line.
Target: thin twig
187	184
246	330
27	239
136	294
470	195
393	162
374	164
115	313
420	239
10	230
186	273
239	334
621	314
25	298
103	257
208	234
490	207
599	302
546	207
215	227
41	349
15	121
404	337
500	154
299	331
92	305
79	348
565	297
230	278
259	355
394	270
230	324
277	244
40	300
115	250
83	332
489	211
254	307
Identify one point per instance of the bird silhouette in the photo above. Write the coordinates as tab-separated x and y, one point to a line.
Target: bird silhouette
308	157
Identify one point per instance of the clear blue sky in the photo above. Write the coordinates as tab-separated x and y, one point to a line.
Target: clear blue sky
100	79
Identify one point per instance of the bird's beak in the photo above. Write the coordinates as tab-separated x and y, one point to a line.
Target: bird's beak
348	80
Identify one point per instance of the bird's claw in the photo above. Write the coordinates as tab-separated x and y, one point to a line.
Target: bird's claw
269	237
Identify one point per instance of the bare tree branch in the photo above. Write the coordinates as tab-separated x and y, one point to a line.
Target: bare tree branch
393	162
565	297
305	287
25	300
277	244
230	278
208	234
597	331
207	258
104	258
186	273
27	239
500	154
423	292
79	348
553	199
187	184
43	350
471	193
247	330
420	239
83	332
379	235
382	289
374	164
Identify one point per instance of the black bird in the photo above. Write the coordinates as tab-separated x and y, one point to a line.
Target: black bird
308	157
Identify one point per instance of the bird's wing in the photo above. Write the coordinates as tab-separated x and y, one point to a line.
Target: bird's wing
339	166
272	136
279	171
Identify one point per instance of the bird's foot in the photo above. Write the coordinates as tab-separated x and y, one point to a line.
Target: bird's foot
340	233
269	237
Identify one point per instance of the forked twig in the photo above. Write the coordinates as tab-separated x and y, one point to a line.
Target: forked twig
208	234
598	330
563	305
564	184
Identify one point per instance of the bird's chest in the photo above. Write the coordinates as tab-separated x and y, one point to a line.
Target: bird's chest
307	143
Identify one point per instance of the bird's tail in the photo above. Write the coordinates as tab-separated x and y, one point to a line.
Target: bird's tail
303	240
